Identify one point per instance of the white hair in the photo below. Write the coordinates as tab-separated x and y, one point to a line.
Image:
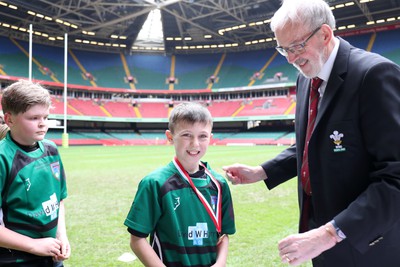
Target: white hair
309	13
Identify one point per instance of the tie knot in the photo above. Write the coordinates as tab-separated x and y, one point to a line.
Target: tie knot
316	83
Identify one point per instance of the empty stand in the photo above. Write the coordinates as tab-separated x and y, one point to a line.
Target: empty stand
256	138
87	107
360	41
150	70
387	44
110	138
105	68
12	59
120	109
58	107
153	110
224	108
48	62
266	106
194	70
238	68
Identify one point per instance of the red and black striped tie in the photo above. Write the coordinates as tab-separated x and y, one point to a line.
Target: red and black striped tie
305	173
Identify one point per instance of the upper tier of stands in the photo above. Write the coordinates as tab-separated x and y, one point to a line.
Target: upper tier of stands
230	70
152	71
148	71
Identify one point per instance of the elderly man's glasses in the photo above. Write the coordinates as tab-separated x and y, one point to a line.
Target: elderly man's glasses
296	49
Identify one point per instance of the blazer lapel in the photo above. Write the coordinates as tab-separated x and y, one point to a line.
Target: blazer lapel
336	79
303	85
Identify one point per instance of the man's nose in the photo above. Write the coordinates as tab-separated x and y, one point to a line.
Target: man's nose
291	58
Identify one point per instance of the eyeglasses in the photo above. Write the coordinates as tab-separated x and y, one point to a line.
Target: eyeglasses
296	49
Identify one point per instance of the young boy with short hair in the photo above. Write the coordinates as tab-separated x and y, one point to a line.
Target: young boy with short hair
185	206
32	183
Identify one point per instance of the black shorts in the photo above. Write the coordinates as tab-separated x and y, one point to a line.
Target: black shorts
16	258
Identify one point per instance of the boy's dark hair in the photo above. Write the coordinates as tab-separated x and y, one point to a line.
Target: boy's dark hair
190	112
22	95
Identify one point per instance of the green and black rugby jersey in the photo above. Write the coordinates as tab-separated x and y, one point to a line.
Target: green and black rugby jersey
32	184
181	231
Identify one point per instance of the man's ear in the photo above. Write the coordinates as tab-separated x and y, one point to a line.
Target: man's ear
169	136
327	33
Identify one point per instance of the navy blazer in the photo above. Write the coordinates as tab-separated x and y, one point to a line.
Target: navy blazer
354	158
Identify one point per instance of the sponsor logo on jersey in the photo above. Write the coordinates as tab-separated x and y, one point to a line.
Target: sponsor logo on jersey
177	202
55	169
198	233
50	206
28	184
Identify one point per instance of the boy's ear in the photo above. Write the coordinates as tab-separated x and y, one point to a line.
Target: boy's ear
168	134
8	118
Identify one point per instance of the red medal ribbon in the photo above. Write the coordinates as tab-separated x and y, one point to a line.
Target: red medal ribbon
216	217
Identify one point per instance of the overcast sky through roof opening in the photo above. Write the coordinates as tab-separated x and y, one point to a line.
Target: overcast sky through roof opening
151	33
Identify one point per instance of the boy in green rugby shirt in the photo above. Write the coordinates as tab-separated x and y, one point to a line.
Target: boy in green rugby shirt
32	183
185	206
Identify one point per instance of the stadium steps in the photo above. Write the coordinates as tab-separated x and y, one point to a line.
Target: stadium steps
105	111
290	108
218	69
81	67
371	42
126	69
2	71
34	60
262	70
238	110
172	72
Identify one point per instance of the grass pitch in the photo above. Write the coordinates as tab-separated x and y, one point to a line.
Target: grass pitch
102	182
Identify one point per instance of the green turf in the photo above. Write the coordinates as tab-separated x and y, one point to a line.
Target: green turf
102	182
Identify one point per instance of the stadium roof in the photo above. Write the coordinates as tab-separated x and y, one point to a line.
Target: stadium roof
187	25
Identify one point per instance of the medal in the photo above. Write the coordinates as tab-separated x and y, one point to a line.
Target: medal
215	216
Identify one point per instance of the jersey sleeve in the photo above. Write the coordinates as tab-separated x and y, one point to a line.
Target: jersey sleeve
64	192
3	177
56	153
228	217
145	210
6	158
